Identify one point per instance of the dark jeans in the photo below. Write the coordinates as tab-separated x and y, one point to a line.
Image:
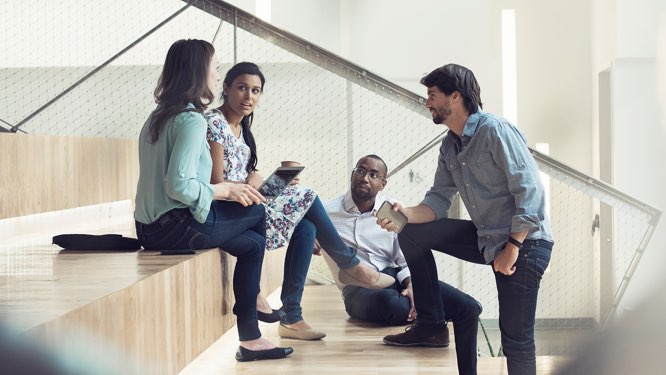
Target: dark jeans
238	230
517	294
315	224
388	306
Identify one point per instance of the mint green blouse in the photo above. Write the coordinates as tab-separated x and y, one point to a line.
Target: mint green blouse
175	171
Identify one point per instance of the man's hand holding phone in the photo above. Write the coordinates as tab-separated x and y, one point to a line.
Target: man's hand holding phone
391	217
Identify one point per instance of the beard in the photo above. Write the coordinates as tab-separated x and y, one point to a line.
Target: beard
441	114
359	193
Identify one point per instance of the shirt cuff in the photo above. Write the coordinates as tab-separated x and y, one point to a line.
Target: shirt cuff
521	223
200	212
437	206
402	275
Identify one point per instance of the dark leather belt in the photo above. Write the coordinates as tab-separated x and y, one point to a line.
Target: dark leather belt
538	243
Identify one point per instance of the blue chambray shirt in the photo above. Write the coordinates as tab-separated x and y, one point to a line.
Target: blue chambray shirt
498	180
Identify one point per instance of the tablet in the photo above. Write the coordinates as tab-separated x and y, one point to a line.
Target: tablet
278	180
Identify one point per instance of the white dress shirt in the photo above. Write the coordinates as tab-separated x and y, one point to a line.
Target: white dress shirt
375	246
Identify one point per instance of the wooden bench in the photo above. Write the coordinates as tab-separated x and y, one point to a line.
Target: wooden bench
157	312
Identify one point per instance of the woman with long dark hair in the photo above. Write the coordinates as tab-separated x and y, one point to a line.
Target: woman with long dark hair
176	205
296	216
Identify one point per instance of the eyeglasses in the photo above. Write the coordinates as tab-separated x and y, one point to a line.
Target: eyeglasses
362	172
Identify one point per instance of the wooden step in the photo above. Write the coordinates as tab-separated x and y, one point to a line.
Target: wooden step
157	312
351	347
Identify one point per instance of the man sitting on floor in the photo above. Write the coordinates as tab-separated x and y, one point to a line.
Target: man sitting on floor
353	216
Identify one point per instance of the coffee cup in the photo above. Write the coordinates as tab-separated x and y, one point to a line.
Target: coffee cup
291	163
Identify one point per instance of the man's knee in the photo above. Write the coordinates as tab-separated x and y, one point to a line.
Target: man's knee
384	306
406	233
474	308
407	239
459	305
394	307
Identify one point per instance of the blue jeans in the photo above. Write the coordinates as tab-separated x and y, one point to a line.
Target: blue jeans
315	224
388	306
517	294
238	230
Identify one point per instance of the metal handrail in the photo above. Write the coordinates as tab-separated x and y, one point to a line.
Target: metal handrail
86	77
597	184
357	74
7	130
313	53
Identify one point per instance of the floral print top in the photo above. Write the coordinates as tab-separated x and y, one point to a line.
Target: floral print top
282	214
236	152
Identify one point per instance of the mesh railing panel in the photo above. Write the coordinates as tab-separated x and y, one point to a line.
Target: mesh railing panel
309	113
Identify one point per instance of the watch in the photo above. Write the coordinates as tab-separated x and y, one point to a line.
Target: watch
515	242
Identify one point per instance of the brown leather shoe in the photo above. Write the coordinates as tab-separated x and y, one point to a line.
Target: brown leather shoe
366	277
416	335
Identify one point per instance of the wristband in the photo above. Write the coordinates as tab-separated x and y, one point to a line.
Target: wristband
515	242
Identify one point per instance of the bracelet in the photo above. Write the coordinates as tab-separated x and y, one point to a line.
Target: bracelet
515	242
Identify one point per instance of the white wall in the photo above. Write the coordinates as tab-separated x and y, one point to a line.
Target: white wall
637	27
317	21
85	25
554	85
639	138
402	43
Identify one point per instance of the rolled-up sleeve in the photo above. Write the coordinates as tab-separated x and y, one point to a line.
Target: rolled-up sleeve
510	151
399	260
441	194
182	181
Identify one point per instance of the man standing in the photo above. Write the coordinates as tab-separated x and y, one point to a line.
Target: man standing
487	161
352	215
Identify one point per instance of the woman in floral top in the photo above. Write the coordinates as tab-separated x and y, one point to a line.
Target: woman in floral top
296	217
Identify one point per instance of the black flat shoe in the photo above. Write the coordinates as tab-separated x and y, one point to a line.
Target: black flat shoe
273	317
247	355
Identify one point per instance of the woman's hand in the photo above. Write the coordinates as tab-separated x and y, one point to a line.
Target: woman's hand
254	179
244	194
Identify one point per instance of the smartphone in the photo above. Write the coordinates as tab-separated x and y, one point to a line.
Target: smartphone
178	252
397	217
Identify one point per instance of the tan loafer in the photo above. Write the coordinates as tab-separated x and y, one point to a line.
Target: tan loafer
308	334
355	276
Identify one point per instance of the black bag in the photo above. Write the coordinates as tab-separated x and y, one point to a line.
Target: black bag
115	242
